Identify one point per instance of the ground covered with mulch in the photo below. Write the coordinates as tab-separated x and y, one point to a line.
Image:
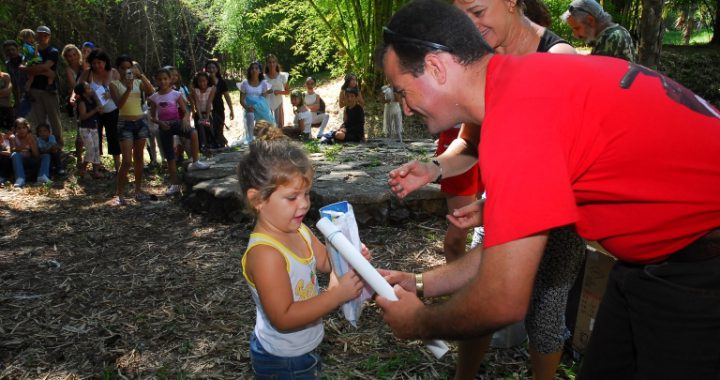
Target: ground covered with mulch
150	290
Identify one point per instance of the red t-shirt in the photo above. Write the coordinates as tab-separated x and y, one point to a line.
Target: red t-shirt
563	143
467	183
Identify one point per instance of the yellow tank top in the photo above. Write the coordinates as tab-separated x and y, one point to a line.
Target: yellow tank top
133	105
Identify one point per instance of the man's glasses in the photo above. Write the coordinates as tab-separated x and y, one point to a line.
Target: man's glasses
399	38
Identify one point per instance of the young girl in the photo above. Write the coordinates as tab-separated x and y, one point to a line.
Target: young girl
25	153
89	111
351	81
181	145
302	123
202	104
132	129
252	92
281	261
167	110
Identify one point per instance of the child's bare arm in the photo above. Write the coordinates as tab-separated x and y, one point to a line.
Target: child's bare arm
266	268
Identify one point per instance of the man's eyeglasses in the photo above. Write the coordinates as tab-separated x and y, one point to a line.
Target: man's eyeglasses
399	38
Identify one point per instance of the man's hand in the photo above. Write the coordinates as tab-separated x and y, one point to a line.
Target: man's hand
404	279
467	216
409	177
401	315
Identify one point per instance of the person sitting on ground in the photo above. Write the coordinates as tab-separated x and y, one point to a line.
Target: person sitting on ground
167	110
351	81
302	124
316	106
202	96
589	22
353	128
48	145
5	152
25	154
89	111
32	57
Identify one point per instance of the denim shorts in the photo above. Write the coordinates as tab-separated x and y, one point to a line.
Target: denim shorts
132	130
166	137
270	367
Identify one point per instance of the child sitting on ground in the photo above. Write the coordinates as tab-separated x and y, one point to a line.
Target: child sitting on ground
353	128
48	145
32	57
167	110
302	123
281	262
89	111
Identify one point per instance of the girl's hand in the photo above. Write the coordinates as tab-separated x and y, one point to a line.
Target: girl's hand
365	252
250	109
349	287
163	125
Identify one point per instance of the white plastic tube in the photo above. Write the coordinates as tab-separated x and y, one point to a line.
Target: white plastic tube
371	276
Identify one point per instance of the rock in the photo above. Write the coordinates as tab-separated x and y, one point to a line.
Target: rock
354	172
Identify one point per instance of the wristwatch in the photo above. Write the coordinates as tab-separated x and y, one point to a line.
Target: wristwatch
439	177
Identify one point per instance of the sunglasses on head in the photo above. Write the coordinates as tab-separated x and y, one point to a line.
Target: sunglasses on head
393	37
572	9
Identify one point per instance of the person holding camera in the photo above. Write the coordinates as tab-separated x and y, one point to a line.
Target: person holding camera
127	93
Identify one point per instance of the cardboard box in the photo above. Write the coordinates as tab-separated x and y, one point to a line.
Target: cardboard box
597	268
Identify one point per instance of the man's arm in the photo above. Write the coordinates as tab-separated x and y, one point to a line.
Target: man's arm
497	295
38	68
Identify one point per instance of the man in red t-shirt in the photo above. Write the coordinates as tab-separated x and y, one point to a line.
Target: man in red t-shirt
627	156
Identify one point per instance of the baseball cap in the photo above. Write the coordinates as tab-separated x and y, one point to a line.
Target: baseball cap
43	29
88	44
590	7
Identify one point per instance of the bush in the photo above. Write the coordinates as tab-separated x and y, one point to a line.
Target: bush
690	66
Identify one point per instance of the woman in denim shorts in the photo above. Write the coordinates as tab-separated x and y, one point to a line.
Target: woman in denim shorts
132	130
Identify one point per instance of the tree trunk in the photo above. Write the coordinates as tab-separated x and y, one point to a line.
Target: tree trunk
651	33
716	28
689	28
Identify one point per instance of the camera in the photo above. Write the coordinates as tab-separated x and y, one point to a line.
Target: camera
129	74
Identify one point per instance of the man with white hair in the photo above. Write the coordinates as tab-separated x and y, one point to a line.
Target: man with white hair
590	23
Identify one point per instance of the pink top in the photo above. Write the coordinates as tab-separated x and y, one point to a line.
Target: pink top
167	105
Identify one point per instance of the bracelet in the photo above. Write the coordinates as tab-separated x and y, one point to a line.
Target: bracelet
419	286
439	177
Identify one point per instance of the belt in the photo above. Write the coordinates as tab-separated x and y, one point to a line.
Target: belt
704	248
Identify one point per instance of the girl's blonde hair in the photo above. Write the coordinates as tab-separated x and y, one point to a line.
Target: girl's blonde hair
270	164
25	33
